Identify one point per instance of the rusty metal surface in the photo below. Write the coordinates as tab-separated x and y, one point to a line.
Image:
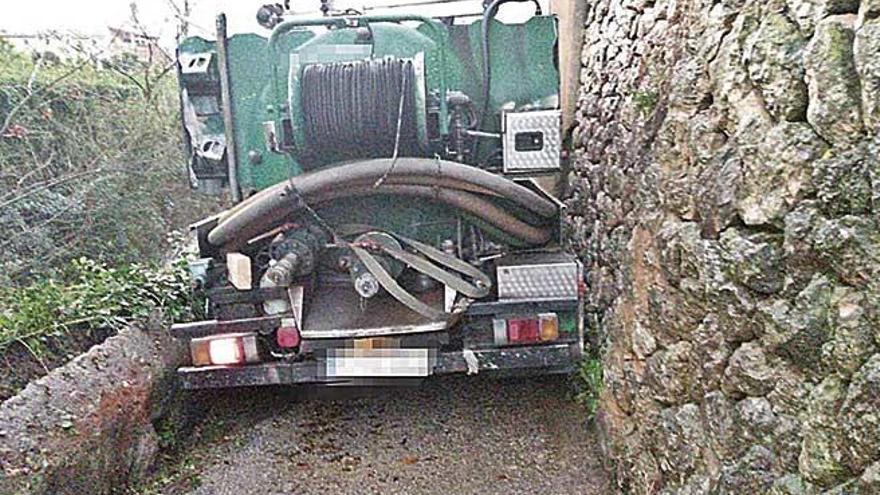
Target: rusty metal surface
245	376
358	333
230	295
207	328
519	307
352	312
548	357
538	359
226	103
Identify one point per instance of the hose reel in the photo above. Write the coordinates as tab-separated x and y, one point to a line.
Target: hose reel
356	109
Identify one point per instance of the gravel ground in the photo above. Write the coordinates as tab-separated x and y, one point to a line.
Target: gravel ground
451	435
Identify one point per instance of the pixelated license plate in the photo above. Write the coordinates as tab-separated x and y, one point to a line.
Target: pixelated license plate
378	363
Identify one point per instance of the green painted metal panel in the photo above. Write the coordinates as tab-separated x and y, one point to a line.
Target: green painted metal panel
522	60
420	219
252	104
522	63
251	72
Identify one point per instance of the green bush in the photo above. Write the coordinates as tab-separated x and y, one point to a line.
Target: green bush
589	383
92	296
91	164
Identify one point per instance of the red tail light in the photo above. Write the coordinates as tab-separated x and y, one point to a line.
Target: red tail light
541	328
521	330
287	336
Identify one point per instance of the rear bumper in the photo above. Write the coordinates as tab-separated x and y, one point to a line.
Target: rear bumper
539	359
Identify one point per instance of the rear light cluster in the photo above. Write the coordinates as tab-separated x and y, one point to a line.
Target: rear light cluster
287	336
224	350
526	330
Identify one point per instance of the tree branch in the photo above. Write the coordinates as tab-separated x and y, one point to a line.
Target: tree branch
18	106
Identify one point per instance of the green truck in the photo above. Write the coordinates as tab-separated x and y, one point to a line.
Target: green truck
396	181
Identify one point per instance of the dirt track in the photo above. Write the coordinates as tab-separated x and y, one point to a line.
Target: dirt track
451	435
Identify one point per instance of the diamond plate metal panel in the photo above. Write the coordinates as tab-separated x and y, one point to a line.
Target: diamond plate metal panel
538	282
548	124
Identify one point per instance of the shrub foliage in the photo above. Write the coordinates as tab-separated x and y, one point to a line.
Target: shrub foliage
91	296
92	180
90	163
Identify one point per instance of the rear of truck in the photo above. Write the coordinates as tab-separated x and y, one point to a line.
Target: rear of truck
396	181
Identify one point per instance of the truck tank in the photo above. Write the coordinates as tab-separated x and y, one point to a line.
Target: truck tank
394	179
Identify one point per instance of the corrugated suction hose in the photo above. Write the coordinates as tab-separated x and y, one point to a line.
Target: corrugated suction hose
451	183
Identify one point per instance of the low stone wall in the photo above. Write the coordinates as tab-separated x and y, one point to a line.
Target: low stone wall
87	427
726	202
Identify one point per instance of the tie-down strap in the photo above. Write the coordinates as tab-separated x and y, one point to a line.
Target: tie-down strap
423	264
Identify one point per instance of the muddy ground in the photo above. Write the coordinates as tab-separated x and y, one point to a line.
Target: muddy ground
451	435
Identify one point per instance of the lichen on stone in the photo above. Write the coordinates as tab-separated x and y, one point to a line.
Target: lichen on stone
732	242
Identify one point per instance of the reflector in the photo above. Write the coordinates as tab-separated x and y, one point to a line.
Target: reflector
549	326
198	349
226	349
499	329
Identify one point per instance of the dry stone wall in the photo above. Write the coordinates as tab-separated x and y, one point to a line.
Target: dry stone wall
87	427
726	198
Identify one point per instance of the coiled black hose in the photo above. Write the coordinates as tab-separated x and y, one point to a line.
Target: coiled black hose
351	109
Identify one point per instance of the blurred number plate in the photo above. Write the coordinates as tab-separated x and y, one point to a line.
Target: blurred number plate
366	363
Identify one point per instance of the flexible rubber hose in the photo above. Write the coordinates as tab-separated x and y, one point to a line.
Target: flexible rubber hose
272	205
427	181
469	203
464	201
352	108
406	168
523	215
